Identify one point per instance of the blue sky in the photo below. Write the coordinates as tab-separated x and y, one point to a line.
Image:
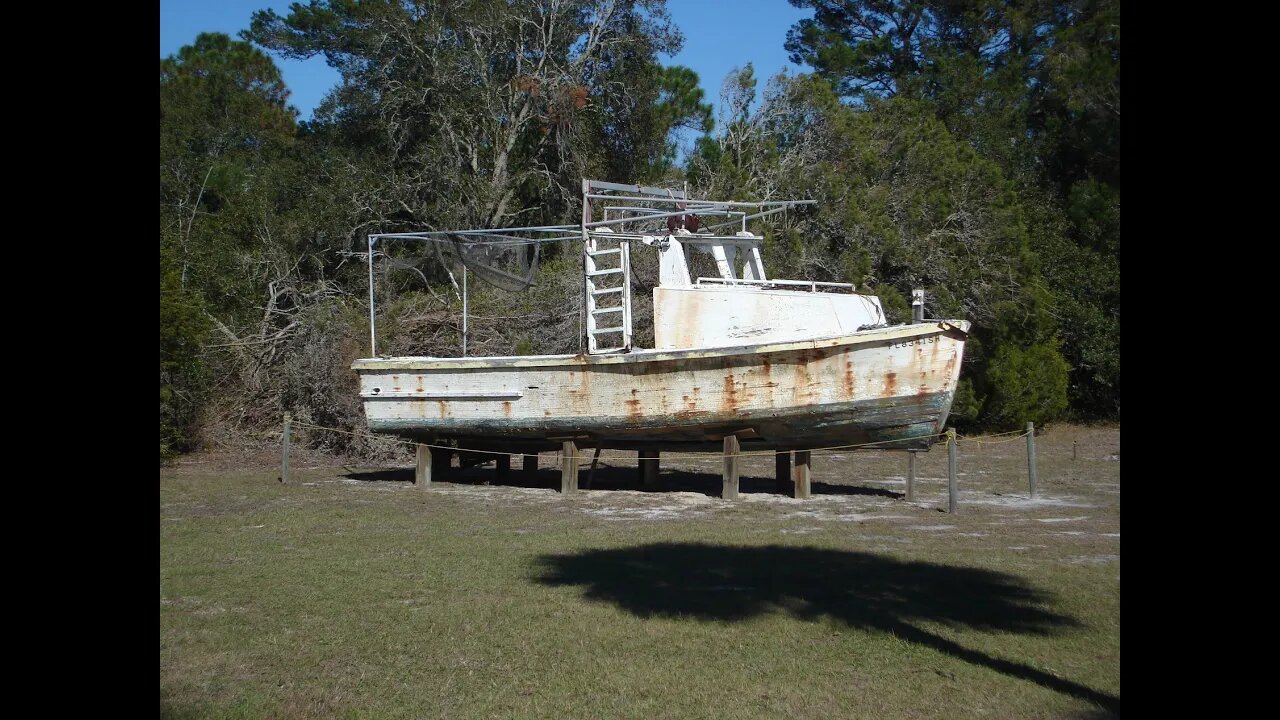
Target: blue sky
719	35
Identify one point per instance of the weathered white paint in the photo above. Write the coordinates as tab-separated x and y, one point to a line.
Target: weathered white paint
753	267
665	388
673	265
897	333
726	257
721	315
674	249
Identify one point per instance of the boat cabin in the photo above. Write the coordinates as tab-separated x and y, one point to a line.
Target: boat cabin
740	305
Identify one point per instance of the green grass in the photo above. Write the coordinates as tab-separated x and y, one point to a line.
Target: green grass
338	597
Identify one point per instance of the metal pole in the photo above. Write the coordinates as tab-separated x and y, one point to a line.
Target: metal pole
477	231
284	456
373	340
708	204
952	491
464	311
917	306
586	279
1031	456
745	218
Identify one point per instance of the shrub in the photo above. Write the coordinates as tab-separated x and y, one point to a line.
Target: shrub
1027	384
184	327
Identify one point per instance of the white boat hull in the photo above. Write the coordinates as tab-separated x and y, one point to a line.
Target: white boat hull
892	386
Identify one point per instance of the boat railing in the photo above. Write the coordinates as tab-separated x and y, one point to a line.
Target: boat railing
632	213
660	239
810	284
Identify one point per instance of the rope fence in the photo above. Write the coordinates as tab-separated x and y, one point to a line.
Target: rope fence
978	440
704	456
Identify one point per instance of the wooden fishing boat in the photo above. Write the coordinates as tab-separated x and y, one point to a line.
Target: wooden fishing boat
778	364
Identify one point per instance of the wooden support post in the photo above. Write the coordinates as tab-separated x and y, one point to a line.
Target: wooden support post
568	467
422	475
731	465
911	475
529	465
1031	457
782	471
801	475
953	502
649	467
502	468
284	456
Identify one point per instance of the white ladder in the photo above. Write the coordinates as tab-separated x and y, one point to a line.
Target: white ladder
605	262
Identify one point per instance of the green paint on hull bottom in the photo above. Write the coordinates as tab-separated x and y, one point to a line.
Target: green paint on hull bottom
898	423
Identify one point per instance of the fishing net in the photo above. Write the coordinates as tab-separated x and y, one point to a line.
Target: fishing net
506	262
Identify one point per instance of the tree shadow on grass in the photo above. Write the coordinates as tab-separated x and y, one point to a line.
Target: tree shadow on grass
728	583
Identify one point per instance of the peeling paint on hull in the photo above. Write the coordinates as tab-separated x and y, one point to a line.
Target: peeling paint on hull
893	386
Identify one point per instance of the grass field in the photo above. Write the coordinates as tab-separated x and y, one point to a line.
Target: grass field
351	592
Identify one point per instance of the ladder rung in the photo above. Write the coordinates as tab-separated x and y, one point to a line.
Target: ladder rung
598	253
610	271
606	291
602	331
601	311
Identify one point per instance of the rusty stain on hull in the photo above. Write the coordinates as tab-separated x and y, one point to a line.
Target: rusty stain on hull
633	404
730	393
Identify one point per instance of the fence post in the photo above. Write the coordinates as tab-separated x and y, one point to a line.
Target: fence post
952	491
568	467
1031	457
802	475
284	457
732	447
422	472
911	475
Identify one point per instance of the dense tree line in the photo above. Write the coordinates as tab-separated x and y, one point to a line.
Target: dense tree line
970	148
